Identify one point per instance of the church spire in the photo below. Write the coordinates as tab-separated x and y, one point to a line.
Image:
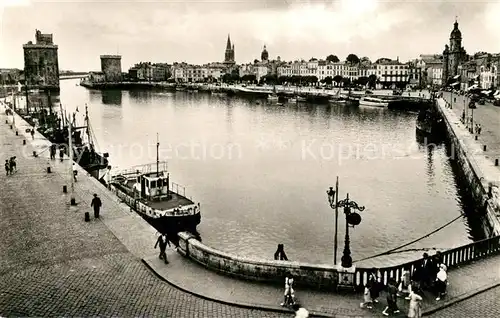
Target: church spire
228	45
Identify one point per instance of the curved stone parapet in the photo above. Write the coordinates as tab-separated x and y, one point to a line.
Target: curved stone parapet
314	275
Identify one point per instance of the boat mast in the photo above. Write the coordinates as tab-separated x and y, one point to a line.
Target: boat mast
87	124
157	156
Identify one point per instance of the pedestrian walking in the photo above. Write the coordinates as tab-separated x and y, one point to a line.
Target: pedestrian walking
53	150
415	308
13	165
280	253
96	203
61	153
300	312
162	241
7	167
32	132
404	288
392	292
441	282
75	172
374	285
367	300
289	295
479	129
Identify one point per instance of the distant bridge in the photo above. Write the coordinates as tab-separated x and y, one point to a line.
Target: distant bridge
72	76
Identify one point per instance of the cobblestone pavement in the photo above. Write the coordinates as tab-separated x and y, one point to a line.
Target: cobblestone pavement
484	305
54	264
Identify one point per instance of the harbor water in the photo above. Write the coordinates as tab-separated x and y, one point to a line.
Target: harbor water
261	171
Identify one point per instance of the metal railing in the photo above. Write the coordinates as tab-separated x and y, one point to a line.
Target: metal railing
451	258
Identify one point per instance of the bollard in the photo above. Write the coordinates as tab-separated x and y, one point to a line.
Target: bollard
24	142
476	137
87	217
34	154
6	121
65	189
496	162
10	126
484	147
73	201
48	170
17	133
490	189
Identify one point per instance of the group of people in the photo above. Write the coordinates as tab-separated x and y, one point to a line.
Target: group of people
10	165
429	275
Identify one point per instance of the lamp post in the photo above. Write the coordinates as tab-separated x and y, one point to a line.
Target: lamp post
352	218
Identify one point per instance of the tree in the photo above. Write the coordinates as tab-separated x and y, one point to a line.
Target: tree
332	58
372	81
346	81
328	80
226	78
365	61
352	58
363	80
337	79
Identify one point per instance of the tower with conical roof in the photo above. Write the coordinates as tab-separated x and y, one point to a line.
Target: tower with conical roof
229	54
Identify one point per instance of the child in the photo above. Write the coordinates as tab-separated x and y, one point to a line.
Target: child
367	299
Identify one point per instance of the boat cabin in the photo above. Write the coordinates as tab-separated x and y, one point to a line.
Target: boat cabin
152	186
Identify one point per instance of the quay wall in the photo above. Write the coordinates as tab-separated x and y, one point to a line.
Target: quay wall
477	171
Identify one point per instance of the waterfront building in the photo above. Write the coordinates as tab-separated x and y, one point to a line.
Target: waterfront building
111	66
487	70
9	76
392	73
188	73
151	72
97	77
468	74
431	68
41	62
229	58
454	54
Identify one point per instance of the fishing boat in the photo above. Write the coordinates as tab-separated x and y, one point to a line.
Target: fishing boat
337	98
149	192
372	101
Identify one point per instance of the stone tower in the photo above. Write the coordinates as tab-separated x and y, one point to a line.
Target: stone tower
264	56
111	66
453	54
41	63
229	54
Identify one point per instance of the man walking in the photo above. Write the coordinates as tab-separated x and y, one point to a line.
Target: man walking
96	203
162	241
53	152
7	167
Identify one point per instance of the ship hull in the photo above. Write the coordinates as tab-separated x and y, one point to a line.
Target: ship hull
165	224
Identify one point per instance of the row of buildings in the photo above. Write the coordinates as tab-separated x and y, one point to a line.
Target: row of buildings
41	68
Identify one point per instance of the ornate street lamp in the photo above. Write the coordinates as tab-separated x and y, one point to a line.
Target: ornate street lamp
352	218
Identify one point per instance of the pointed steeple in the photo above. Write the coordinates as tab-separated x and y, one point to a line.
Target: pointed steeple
228	45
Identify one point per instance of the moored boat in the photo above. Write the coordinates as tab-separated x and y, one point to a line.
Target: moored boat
152	196
272	97
372	101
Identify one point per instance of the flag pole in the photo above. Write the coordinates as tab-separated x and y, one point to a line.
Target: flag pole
335	243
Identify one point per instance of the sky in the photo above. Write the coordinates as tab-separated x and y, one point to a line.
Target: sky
195	31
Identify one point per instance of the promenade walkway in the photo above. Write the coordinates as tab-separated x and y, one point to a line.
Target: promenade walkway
52	263
488	116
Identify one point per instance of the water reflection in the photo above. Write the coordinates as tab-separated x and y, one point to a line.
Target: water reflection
112	97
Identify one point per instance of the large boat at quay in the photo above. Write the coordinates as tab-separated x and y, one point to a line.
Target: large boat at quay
372	101
149	192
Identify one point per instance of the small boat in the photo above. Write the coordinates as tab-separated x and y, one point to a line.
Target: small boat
272	97
301	99
152	196
292	100
372	101
337	99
